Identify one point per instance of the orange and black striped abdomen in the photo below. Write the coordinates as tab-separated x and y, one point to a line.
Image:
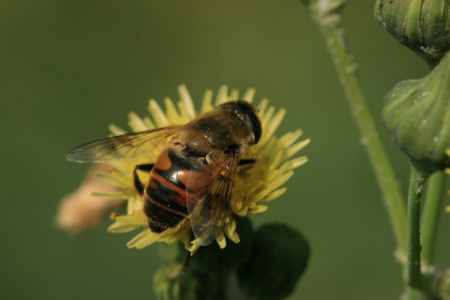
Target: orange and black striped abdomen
165	194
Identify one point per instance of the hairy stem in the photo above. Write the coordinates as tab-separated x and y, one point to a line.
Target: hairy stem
416	185
331	27
431	212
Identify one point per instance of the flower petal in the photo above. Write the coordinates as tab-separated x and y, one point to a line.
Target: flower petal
187	101
143	239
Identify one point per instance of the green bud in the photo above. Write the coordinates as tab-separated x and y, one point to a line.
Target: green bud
174	282
411	293
417	115
420	25
443	285
279	257
175	252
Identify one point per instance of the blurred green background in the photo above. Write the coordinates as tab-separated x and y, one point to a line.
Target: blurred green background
70	68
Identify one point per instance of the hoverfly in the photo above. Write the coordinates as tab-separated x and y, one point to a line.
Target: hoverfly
194	175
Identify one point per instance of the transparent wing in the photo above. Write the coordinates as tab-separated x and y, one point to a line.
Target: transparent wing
125	146
208	196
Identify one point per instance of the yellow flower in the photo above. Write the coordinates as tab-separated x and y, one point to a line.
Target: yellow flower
255	186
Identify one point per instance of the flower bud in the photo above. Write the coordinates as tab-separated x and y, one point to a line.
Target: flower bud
443	285
420	25
279	257
417	115
174	282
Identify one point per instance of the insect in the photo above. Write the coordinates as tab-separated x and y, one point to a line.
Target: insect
194	175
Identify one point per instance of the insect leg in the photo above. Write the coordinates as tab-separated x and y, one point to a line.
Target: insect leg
250	161
187	258
137	182
145	167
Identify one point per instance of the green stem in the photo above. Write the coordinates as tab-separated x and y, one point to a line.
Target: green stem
431	213
416	184
343	61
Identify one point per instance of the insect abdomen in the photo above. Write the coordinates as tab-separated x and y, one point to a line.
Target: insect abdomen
165	194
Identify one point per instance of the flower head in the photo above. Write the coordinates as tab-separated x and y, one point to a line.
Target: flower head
255	185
